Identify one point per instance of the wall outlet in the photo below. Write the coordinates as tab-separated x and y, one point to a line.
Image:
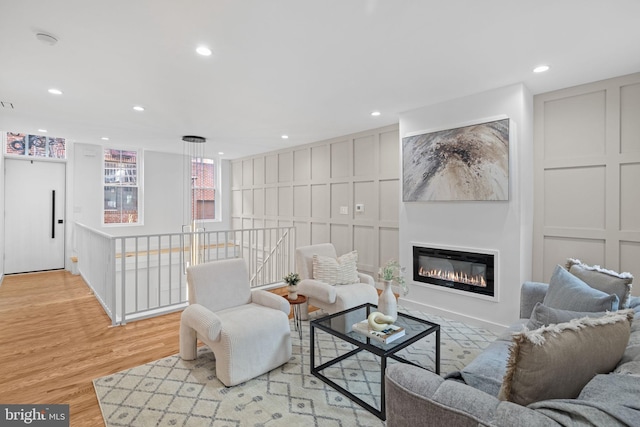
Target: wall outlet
360	208
344	210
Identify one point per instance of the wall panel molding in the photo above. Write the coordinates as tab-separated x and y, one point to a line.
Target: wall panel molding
310	186
586	171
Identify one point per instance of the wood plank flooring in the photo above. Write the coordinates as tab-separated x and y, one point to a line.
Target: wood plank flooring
55	339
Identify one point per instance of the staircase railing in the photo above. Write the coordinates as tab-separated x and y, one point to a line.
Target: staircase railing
141	276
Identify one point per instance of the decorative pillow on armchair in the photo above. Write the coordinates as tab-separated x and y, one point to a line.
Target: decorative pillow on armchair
567	292
341	271
557	361
604	280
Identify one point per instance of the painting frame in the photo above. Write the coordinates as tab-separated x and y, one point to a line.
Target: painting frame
469	162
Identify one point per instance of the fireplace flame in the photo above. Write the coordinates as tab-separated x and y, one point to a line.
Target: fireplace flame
453	276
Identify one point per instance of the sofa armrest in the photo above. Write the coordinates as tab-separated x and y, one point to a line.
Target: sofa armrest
317	290
417	397
531	293
271	300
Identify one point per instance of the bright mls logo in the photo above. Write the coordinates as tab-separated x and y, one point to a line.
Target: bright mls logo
34	415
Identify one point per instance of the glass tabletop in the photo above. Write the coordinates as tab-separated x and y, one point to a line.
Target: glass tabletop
414	327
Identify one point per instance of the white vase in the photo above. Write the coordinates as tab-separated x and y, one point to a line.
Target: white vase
293	292
387	303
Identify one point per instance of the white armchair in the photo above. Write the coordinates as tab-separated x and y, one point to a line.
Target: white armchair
248	331
328	297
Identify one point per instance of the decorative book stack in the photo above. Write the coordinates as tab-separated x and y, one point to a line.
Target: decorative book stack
392	333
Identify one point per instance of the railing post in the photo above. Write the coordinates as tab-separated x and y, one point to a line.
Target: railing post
123	267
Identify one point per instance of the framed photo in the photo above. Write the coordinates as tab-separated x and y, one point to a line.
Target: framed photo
464	163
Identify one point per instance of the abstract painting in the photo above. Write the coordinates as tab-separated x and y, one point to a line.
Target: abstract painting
465	163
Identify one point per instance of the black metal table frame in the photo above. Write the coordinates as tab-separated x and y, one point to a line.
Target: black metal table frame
384	353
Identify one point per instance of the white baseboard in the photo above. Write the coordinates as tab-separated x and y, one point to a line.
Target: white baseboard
474	321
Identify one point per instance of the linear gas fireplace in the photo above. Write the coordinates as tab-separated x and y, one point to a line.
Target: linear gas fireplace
455	269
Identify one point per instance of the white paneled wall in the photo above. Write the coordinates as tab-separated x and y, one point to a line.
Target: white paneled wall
587	174
316	187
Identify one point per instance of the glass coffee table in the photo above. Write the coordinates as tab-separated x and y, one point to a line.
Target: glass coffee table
415	330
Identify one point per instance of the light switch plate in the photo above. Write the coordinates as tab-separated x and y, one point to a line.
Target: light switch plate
344	210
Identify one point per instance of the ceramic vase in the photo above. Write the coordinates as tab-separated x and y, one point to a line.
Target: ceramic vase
387	303
293	292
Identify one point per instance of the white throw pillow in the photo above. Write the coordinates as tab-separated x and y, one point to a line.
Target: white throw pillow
341	271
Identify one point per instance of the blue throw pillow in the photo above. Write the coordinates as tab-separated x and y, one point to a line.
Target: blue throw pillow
545	316
567	292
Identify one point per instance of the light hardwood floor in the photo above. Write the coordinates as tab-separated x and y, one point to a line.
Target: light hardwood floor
55	339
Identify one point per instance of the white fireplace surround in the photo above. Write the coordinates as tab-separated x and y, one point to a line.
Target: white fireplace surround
496	270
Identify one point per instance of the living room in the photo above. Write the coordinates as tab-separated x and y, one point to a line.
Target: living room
529	247
574	142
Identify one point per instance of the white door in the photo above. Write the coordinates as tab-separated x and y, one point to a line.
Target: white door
34	215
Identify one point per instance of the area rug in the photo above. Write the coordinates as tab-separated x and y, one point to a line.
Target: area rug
173	392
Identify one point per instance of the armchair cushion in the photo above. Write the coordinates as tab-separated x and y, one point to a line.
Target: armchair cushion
340	271
220	284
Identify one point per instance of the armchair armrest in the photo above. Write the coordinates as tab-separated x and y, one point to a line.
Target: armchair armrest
365	278
530	294
318	290
202	320
271	300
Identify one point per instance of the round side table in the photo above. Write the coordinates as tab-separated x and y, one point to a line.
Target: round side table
295	303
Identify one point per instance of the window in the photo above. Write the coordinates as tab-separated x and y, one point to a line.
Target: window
203	189
121	195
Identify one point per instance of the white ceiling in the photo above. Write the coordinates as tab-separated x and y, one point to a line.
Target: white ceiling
310	69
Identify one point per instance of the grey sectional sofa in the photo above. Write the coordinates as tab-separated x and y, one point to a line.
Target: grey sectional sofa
417	397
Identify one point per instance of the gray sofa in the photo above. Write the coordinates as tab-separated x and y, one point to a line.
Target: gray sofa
417	397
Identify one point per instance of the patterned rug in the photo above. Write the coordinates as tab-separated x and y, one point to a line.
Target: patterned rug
173	392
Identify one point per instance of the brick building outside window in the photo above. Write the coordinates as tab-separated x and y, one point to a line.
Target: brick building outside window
121	201
203	183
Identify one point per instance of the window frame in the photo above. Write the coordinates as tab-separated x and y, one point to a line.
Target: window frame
216	189
138	185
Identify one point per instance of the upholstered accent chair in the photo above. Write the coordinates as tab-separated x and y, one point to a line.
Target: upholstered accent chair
331	297
248	331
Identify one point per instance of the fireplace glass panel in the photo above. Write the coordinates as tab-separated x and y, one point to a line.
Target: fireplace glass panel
466	272
472	272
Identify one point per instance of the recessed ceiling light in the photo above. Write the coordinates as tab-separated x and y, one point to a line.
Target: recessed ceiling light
541	69
105	138
220	153
42	130
203	50
55	91
375	113
138	108
285	136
